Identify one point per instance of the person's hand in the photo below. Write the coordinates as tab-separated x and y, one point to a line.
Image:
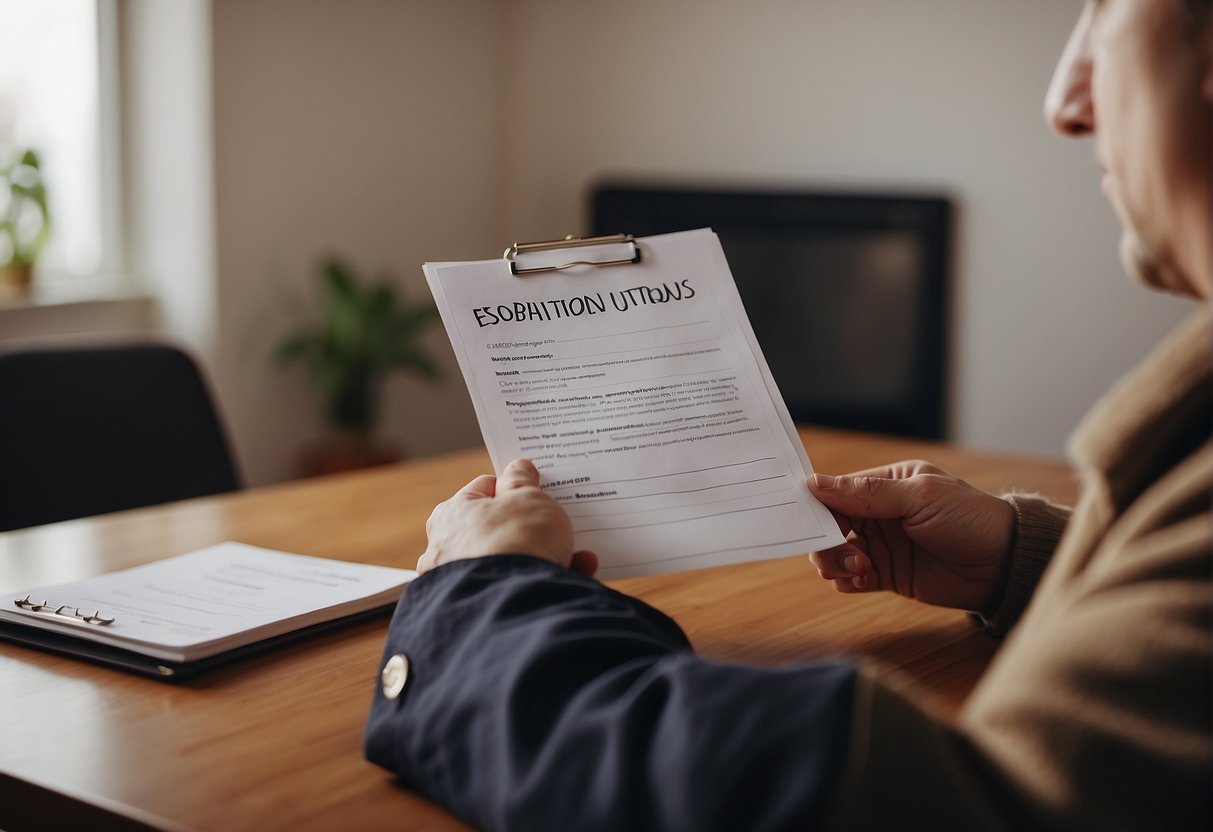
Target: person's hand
503	515
918	531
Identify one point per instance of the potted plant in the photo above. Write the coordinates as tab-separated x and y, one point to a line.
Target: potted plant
24	219
365	331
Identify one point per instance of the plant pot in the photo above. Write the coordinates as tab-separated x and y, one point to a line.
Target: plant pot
17	275
345	450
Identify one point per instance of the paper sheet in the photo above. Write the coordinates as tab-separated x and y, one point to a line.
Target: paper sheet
641	395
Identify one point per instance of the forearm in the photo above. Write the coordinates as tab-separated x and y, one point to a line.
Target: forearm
541	699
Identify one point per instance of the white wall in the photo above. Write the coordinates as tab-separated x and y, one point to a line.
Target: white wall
167	165
398	132
367	129
872	94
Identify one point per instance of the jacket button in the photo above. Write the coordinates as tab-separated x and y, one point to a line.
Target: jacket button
395	676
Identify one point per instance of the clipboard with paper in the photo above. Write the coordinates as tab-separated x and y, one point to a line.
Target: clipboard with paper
627	371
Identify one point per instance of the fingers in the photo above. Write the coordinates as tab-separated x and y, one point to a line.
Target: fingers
484	485
845	561
851	586
503	513
518	474
867	496
846	565
902	470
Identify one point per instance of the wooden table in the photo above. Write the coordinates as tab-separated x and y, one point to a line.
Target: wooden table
274	742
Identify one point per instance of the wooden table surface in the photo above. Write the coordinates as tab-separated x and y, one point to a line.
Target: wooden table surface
274	742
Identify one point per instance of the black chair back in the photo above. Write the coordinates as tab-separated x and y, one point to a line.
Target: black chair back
86	431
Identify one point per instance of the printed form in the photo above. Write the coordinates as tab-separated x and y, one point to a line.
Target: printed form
641	395
202	603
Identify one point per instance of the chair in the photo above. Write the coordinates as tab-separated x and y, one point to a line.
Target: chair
847	293
89	430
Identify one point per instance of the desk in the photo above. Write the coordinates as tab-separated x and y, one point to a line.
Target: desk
274	742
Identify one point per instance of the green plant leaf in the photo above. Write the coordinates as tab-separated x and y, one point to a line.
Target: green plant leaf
340	280
295	346
365	330
26	224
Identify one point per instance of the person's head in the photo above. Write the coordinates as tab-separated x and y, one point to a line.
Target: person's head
1138	76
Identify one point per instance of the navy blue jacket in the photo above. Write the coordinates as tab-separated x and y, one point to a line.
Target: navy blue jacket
541	699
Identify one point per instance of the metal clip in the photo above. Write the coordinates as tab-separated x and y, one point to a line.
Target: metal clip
571	241
77	616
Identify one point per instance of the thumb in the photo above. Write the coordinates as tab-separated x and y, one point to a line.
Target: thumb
866	496
518	474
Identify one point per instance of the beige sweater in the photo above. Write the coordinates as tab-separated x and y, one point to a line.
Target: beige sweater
1095	714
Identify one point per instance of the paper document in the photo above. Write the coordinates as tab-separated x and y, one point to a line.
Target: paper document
641	395
203	603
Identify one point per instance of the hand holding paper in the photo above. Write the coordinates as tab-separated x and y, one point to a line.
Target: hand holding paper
503	515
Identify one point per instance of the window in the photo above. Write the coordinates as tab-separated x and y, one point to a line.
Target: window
58	97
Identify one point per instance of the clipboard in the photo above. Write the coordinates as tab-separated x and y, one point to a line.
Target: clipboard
65	644
181	616
627	371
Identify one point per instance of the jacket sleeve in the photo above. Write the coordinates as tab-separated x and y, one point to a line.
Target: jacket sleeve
540	699
1039	525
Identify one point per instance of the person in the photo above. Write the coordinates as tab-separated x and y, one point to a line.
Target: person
537	698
